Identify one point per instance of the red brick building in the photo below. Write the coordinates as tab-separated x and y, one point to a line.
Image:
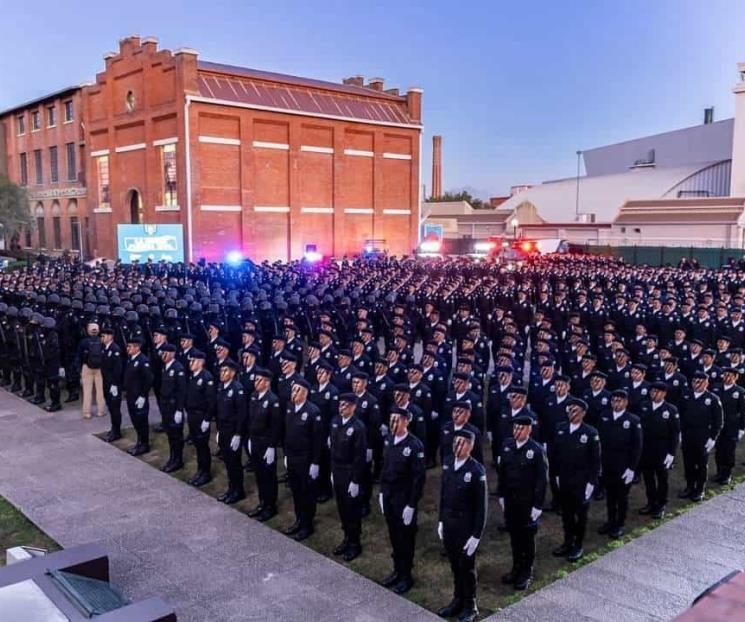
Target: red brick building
43	149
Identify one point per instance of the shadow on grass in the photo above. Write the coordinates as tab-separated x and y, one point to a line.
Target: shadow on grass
433	583
17	530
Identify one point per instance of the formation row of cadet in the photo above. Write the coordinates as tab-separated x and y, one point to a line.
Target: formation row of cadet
570	355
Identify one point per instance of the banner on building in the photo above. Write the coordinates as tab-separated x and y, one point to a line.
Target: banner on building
156	242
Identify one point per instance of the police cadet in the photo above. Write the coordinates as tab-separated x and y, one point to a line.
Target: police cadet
661	432
368	412
172	399
304	438
732	396
576	468
138	380
401	485
460	419
521	490
462	519
621	442
348	444
52	369
264	436
112	371
201	395
325	395
701	419
231	417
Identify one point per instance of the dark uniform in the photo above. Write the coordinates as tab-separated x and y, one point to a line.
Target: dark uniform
304	439
621	441
401	485
463	495
201	395
327	400
172	400
661	430
112	371
231	417
138	380
348	463
523	475
700	420
576	463
264	432
733	407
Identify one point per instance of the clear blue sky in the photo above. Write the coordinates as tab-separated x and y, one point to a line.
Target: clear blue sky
515	88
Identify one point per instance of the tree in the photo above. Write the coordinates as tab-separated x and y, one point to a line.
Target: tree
15	213
463	195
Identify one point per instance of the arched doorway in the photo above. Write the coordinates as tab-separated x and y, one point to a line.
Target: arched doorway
135	207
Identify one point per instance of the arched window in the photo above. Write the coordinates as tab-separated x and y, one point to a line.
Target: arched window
75	237
56	225
40	225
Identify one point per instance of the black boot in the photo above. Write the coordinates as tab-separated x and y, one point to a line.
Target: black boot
452	609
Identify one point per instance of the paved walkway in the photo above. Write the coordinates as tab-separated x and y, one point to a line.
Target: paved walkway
654	577
167	539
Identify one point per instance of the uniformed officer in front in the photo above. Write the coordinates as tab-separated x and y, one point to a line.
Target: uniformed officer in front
621	442
348	444
112	371
138	380
701	420
401	485
521	490
576	467
732	396
231	419
201	393
264	436
462	518
661	433
304	439
172	400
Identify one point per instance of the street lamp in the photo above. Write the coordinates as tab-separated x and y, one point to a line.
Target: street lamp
514	222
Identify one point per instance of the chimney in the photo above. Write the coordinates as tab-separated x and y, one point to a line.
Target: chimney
354	81
436	167
376	84
414	103
392	91
708	115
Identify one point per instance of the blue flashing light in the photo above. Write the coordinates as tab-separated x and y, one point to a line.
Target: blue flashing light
234	258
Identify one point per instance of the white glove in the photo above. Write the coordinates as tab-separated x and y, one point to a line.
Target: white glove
249	446
206	426
140	402
114	390
269	456
588	491
285	461
740	434
434	415
313	472
628	476
380	501
556	479
408	515
501	503
383	429
61	372
471	546
535	514
668	461
331	477
235	442
178	417
709	444
368	455
217	437
490	436
439	530
353	490
328	442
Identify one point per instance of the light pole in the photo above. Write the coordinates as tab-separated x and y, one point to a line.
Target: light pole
514	222
576	199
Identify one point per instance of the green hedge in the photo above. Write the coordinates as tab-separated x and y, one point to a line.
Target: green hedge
663	255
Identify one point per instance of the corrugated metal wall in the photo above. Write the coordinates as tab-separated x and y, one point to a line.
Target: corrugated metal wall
713	181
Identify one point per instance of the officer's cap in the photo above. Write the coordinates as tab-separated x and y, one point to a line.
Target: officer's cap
589	357
640	366
349	398
262	372
169	347
197	354
578	402
417	367
251	350
710	351
301	382
345	352
360	375
136	340
548	362
402	412
279	337
314	344
514	390
160	330
461	376
620	393
187	336
730	370
701	375
563	378
724	338
288	356
107	331
659	386
697	342
382	361
229	364
464	404
325	365
221	343
503	369
653	338
671	359
467	434
522	419
402	387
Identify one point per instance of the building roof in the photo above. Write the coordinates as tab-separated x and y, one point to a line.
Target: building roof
264	89
700	143
601	195
39	100
724	210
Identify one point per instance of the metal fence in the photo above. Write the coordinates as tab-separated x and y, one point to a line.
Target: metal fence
665	255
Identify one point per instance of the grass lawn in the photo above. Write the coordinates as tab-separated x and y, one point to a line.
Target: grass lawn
17	530
433	587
